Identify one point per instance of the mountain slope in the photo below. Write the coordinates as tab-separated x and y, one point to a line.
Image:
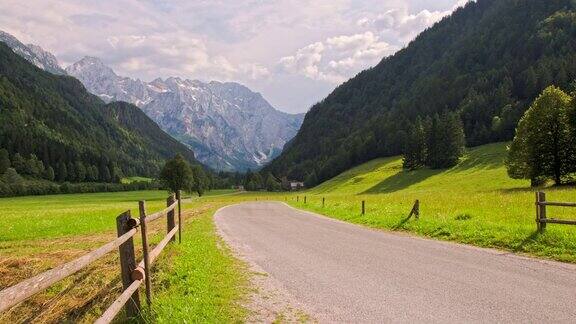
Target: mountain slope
487	61
226	124
55	118
33	54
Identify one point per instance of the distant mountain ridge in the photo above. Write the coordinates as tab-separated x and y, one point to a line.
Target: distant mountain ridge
228	126
33	53
72	131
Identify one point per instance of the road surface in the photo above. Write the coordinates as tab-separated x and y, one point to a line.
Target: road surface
346	273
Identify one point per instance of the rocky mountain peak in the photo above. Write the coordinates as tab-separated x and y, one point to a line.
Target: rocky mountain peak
91	65
228	126
33	54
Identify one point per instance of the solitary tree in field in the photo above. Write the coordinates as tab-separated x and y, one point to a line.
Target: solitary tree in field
543	147
177	174
201	181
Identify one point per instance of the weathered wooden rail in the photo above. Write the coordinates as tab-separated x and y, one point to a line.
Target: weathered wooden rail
542	214
132	274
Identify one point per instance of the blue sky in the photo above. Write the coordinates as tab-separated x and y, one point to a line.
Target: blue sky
293	52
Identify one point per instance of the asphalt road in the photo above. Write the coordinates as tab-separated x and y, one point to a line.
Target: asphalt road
347	273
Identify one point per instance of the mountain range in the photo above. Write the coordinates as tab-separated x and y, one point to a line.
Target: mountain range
228	126
487	61
53	119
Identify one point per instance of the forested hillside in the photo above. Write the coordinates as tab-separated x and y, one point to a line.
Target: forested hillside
51	127
487	62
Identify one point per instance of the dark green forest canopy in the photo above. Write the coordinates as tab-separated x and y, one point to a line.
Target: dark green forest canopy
57	120
487	61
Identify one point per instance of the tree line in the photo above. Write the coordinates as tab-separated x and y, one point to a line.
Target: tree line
435	142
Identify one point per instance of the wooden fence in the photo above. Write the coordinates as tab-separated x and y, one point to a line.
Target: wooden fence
132	274
415	211
542	215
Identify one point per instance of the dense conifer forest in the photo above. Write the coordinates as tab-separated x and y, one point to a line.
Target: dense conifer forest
487	63
51	128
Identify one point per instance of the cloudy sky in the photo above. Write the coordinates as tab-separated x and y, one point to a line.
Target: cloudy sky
293	52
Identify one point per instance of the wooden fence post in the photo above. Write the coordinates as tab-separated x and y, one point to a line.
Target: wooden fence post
541	211
145	254
363	207
417	209
323	202
297	198
170	217
304	199
179	197
127	263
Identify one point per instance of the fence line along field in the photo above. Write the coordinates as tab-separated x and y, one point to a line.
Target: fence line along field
474	202
74	225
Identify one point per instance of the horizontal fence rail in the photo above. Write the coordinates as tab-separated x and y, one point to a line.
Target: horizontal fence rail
132	274
11	296
164	212
542	213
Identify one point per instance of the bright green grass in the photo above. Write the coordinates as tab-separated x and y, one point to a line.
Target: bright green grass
201	282
219	192
474	202
41	217
135	179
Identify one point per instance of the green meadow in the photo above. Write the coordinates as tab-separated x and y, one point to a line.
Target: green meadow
54	216
474	203
197	280
200	280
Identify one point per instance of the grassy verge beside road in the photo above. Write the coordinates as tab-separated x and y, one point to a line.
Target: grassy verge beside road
474	203
38	233
200	281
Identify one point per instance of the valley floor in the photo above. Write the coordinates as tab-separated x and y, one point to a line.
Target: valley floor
202	281
474	203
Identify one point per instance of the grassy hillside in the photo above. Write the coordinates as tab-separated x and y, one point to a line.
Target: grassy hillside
73	132
487	62
474	202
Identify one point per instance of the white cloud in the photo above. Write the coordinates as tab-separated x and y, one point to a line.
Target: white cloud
271	46
337	58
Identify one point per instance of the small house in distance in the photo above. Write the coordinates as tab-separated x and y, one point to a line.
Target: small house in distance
291	185
296	185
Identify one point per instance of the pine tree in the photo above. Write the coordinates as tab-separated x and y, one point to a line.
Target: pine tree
80	171
61	172
49	174
415	148
18	163
71	172
201	181
4	161
446	141
104	173
11	176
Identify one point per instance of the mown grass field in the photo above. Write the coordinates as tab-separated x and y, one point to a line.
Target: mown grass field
474	203
41	232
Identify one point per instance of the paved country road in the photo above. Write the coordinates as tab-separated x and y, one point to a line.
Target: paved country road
346	273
